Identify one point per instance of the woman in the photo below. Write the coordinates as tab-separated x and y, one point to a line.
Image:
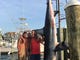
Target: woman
22	47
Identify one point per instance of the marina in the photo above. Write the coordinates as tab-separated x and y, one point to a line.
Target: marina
57	39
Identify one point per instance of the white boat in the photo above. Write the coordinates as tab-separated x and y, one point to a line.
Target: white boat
8	48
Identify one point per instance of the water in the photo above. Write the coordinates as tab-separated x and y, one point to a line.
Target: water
13	56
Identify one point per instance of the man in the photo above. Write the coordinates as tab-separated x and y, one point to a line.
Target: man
22	46
35	47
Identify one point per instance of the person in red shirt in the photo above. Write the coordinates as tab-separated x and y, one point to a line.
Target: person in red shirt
35	47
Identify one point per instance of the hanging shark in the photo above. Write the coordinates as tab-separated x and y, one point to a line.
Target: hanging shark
49	31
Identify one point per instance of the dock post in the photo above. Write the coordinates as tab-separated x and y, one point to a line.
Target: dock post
72	10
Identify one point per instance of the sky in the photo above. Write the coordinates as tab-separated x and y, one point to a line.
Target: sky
33	10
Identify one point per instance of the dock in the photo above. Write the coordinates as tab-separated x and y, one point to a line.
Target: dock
7	50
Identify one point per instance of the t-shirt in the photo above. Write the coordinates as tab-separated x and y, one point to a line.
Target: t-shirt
35	46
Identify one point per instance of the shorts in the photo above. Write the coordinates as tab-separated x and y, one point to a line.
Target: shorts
35	57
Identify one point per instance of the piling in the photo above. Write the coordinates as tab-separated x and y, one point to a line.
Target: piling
72	10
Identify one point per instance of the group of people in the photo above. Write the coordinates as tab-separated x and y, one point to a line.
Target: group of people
29	46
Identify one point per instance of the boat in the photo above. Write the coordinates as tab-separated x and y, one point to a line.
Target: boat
9	48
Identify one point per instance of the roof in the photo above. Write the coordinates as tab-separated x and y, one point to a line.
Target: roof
72	2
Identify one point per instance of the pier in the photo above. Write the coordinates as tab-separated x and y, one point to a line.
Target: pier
7	50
